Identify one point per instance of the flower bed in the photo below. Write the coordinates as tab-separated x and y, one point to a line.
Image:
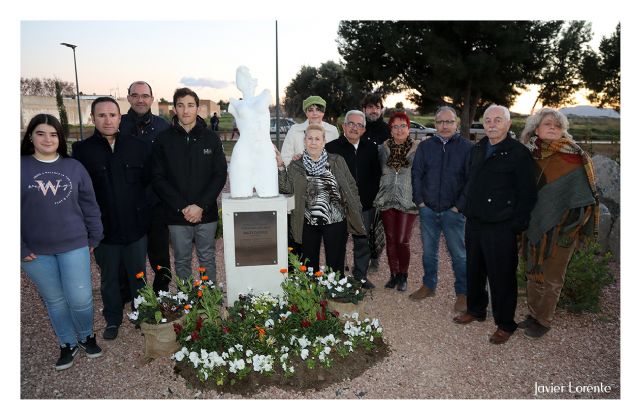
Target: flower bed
267	336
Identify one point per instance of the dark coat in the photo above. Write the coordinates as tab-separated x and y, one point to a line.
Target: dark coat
146	127
440	172
502	187
189	168
119	180
377	131
363	164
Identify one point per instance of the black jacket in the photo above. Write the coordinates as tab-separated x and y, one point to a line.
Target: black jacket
377	131
440	172
119	179
188	168
363	165
502	188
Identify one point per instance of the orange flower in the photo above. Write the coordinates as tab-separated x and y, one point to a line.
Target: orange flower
318	274
140	275
283	270
187	307
204	287
199	293
303	268
261	332
201	270
158	267
197	282
205	277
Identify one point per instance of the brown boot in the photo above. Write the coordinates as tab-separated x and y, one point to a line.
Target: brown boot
461	303
422	293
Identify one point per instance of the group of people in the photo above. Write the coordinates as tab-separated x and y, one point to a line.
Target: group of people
128	189
139	182
492	200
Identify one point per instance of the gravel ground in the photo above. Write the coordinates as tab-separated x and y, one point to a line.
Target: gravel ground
432	358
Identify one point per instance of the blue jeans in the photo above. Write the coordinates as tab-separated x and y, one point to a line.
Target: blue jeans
452	224
64	283
182	238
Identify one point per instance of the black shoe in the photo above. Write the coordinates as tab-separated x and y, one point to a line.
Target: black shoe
526	322
67	354
368	285
110	333
402	282
90	347
536	330
392	282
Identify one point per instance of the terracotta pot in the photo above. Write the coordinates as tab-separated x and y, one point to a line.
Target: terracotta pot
160	339
348	308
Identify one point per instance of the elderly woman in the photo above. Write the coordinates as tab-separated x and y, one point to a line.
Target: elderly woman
394	199
566	210
327	205
59	228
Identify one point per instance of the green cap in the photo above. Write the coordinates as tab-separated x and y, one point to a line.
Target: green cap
313	100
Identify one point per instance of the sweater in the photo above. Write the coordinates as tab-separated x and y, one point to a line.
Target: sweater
58	207
294	140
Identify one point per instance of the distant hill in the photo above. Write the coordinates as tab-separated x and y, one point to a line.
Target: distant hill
590	112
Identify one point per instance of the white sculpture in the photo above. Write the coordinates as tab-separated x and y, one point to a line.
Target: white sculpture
253	161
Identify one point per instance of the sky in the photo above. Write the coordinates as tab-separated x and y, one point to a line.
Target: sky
115	51
202	55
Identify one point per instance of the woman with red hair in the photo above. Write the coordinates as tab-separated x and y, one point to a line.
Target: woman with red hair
394	198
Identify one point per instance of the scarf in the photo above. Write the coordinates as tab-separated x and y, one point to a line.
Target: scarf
315	168
398	154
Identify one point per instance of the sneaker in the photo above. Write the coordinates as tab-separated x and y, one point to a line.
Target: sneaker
536	330
526	322
110	333
67	354
90	347
368	285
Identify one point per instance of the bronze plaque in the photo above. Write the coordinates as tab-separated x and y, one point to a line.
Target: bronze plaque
256	236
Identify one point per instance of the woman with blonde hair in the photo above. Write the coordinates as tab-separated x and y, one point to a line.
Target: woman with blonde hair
566	211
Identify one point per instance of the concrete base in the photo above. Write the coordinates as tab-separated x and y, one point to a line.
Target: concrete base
258	278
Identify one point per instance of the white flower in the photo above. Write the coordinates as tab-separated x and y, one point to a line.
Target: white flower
339	289
268	323
133	315
162	293
332	276
238	347
194	358
304	353
249	353
181	296
321	356
327	350
236	365
303	342
231	351
179	356
163	320
357	292
342	281
348	285
138	300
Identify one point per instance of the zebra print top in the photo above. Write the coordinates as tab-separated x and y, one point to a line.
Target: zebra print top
324	203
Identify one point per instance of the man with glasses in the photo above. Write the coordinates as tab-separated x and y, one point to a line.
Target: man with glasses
362	159
141	123
293	144
439	173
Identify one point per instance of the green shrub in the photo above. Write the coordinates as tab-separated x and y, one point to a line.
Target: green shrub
587	274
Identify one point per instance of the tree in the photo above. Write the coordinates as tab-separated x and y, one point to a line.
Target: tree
224	106
464	64
329	81
561	77
61	109
45	87
601	72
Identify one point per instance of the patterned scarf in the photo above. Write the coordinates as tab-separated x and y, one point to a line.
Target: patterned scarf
315	168
398	154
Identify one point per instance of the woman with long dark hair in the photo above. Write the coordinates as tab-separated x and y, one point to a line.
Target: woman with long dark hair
59	227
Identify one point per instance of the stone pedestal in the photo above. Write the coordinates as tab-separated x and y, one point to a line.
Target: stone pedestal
255	243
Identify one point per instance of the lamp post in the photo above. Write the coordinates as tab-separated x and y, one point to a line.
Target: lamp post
73	47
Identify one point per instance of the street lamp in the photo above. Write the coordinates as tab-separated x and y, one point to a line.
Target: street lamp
73	47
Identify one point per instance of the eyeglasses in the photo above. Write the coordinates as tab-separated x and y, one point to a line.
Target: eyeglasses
137	96
352	124
401	126
315	109
450	122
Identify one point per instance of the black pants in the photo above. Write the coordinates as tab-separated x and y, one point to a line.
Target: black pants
109	257
158	253
492	252
334	237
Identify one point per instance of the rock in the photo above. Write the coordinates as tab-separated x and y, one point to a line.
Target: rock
604	229
614	239
608	182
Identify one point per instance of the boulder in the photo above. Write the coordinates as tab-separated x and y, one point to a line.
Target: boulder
614	240
608	182
604	229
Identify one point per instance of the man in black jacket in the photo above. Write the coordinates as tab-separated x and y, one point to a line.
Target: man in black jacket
364	165
189	170
141	123
501	193
377	132
119	169
439	173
